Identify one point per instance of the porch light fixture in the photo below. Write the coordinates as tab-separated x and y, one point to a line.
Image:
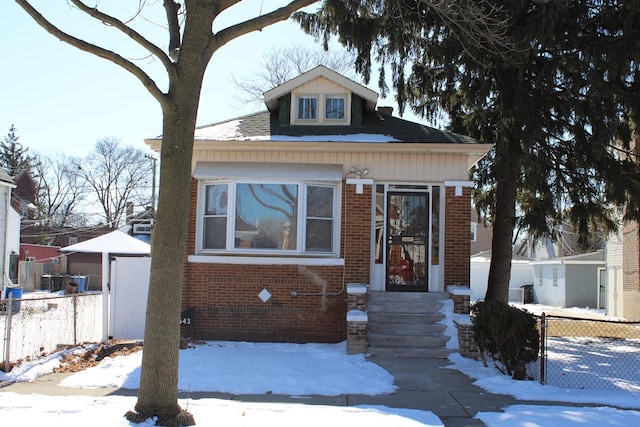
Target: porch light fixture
359	182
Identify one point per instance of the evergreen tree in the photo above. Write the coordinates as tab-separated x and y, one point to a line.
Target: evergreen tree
13	156
558	99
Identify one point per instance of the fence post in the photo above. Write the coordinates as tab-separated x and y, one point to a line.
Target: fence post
75	319
7	334
543	349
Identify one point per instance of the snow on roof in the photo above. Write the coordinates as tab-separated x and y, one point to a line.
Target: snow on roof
230	131
115	242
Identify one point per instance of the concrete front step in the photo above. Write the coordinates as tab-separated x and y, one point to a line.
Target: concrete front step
427	353
406	324
415	328
415	341
407	296
403	307
404	318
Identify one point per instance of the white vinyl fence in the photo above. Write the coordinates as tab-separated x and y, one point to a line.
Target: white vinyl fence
41	324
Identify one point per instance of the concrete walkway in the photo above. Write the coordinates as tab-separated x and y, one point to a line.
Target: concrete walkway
422	384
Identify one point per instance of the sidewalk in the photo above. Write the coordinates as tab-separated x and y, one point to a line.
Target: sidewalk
423	384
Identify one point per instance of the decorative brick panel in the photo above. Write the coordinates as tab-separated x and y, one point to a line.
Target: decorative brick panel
357	338
356	318
461	296
466	341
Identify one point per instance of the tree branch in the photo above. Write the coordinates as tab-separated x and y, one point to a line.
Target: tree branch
171	8
258	23
113	57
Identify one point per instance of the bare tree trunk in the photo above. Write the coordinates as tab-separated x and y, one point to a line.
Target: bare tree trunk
158	393
503	226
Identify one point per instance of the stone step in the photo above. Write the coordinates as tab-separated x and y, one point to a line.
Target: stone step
427	353
407	341
406	324
407	296
404	318
405	328
417	307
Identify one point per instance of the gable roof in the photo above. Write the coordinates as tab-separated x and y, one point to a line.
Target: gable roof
5	178
377	127
115	242
271	97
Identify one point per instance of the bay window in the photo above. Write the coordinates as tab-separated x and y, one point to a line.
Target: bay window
271	217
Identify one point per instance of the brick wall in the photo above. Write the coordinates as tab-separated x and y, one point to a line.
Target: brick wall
457	232
225	296
631	256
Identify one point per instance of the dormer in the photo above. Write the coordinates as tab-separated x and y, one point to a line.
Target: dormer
320	97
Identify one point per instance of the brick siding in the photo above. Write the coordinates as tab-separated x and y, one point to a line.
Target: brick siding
224	297
457	233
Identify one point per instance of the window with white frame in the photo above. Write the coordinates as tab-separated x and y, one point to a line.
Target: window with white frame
307	108
335	107
268	217
474	231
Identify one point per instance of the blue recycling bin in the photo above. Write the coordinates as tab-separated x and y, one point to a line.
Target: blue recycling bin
16	295
81	281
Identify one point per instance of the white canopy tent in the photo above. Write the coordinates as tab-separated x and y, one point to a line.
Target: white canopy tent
113	243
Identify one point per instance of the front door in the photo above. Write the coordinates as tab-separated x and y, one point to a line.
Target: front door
407	241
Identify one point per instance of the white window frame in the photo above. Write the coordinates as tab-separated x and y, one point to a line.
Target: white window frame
319	107
474	231
301	220
344	106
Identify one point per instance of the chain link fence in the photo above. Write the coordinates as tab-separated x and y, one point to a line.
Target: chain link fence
39	325
589	354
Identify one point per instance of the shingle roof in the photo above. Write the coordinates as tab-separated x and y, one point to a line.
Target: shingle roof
264	125
4	177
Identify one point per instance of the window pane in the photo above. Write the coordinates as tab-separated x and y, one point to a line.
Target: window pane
216	200
320	202
307	108
319	235
435	225
266	216
335	108
215	232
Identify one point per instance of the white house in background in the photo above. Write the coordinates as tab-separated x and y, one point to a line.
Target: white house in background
622	287
521	274
571	281
9	233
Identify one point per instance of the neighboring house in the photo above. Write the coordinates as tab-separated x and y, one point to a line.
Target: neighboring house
292	204
521	276
36	234
622	274
571	281
480	234
140	225
9	233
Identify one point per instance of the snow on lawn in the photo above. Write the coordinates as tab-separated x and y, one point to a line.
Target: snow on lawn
321	369
250	368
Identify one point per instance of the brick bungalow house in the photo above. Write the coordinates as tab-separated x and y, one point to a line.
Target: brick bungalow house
323	189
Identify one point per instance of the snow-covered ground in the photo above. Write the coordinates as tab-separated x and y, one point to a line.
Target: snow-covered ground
298	370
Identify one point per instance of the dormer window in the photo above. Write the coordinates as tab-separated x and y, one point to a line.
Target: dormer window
335	107
307	108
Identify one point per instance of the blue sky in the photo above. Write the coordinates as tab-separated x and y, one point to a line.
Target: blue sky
63	99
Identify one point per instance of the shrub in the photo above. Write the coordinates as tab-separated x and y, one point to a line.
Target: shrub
508	334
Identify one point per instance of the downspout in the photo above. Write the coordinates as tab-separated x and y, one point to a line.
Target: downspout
7	203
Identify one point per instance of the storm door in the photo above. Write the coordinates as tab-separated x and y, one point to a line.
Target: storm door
407	241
